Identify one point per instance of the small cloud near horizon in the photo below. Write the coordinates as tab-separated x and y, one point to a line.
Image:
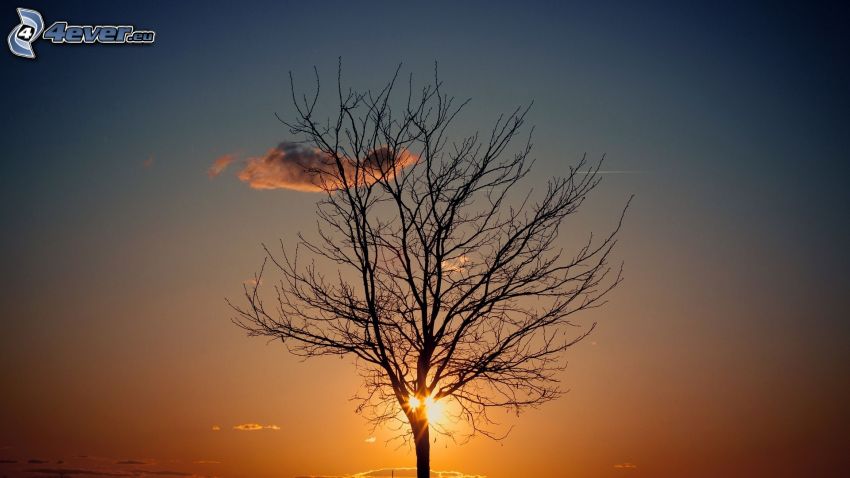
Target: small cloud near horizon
370	440
253	282
250	427
397	473
625	466
86	465
165	473
78	471
104	472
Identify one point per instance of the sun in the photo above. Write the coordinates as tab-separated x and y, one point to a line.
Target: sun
433	408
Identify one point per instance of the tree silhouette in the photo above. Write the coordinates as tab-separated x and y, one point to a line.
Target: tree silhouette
445	285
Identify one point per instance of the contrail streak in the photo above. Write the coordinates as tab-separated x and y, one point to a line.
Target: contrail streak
611	172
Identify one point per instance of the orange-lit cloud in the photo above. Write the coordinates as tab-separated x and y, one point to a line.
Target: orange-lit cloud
370	440
253	282
220	164
457	264
133	462
625	466
165	473
288	166
85	465
216	428
103	472
302	168
76	472
398	473
250	427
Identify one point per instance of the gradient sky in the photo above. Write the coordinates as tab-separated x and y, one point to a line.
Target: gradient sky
724	353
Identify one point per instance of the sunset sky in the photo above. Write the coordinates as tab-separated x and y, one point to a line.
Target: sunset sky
724	352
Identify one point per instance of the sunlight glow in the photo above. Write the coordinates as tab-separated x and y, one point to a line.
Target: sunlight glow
433	408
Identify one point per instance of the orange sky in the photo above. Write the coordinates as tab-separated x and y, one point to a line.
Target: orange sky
147	363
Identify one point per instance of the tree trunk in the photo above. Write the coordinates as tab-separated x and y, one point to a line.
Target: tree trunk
423	449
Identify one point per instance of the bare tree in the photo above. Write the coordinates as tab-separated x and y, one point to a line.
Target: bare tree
444	284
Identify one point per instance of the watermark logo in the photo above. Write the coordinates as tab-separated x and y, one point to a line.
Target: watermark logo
22	36
30	29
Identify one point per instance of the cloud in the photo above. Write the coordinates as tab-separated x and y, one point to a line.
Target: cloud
457	264
36	461
165	473
411	472
253	282
220	164
301	168
370	440
104	472
206	462
84	465
625	466
250	427
397	473
77	472
216	428
288	166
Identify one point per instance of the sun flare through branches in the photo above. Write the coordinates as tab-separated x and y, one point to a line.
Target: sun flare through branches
434	409
446	285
